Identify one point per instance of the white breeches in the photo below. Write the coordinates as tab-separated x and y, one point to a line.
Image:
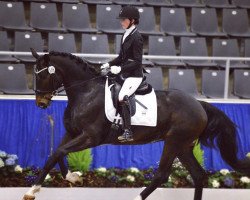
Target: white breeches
129	87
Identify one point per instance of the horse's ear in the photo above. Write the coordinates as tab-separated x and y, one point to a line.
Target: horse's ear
46	58
34	53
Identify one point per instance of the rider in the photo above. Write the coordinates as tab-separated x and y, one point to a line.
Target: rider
128	64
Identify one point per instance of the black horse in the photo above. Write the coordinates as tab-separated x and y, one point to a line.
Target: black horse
181	120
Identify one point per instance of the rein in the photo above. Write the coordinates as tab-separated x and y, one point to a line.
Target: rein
55	92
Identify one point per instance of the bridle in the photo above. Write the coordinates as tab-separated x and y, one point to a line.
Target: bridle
52	71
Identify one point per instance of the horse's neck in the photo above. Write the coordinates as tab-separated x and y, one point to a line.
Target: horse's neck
78	80
91	90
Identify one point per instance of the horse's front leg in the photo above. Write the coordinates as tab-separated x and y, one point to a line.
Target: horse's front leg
81	142
66	173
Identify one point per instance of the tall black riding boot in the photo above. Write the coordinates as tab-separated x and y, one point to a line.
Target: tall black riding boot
125	114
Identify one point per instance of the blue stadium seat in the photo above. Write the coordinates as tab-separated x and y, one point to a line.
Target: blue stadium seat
227	48
155	78
106	19
96	44
187	3
26	40
147	23
241	83
213	82
158	2
163	45
12	16
247	51
195	46
44	17
241	3
128	2
76	18
183	79
62	42
64	1
235	22
97	1
217	3
173	22
207	16
13	79
5	46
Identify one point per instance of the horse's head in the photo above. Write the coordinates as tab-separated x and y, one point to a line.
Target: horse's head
46	79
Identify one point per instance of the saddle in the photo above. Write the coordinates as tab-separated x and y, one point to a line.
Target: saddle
117	82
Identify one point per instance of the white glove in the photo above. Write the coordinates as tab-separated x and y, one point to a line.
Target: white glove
105	66
115	69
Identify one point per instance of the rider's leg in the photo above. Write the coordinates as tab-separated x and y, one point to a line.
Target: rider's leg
129	87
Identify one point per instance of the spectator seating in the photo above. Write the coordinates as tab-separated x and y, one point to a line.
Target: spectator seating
97	1
147	21
106	18
92	43
187	3
12	16
227	48
128	2
26	40
5	46
217	3
207	16
155	78
183	79
45	1
173	22
235	22
241	3
163	45
247	51
44	17
13	79
195	46
158	2
76	18
241	83
213	83
62	42
64	1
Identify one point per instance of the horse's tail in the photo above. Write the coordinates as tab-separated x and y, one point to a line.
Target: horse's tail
219	126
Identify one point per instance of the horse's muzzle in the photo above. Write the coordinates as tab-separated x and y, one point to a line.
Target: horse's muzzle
43	101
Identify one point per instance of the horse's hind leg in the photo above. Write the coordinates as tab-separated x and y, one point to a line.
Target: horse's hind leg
197	172
163	172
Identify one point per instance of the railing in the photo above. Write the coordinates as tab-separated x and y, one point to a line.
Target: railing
160	57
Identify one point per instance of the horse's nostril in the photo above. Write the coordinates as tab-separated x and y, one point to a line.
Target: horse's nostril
42	105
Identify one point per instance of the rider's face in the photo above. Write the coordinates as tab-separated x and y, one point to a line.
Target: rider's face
125	23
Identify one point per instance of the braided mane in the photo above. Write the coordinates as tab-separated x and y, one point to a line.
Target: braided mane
81	62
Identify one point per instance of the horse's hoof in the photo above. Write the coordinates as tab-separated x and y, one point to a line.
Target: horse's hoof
28	197
138	198
74	178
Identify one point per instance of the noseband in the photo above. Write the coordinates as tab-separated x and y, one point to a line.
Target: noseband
52	71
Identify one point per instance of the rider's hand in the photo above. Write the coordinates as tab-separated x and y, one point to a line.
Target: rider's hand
105	66
115	69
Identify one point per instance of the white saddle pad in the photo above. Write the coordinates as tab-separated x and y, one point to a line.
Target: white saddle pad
143	116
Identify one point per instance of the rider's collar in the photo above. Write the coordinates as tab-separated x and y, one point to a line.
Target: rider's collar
129	30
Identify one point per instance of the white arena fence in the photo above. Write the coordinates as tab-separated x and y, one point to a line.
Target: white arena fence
152	57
